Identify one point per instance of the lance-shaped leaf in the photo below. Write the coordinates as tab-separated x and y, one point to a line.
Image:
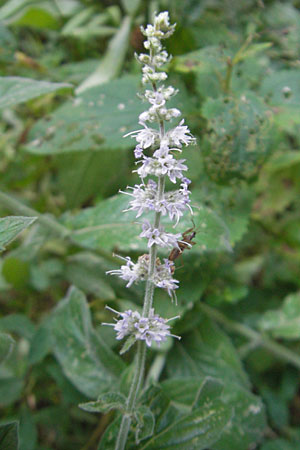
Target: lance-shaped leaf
15	90
85	358
11	226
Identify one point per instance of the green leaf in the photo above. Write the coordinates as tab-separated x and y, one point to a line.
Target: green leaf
96	119
113	59
6	346
27	430
19	324
85	123
41	343
105	403
85	358
145	423
127	344
284	322
87	271
195	431
280	444
106	226
238	138
209	65
15	90
207	351
282	91
11	227
251	51
10	390
108	439
9	436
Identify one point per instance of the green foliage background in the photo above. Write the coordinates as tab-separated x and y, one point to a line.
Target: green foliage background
67	96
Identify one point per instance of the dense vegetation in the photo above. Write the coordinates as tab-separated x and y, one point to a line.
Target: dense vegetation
67	96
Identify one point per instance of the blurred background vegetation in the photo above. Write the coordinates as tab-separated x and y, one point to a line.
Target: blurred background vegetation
63	158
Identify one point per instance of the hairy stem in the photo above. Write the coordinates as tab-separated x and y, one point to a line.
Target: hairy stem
132	396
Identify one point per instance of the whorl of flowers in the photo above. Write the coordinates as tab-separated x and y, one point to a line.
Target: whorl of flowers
155	152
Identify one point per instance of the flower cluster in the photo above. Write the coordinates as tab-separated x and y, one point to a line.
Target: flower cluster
162	277
149	329
155	151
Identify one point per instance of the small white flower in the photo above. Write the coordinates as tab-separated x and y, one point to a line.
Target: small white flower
145	137
180	135
132	272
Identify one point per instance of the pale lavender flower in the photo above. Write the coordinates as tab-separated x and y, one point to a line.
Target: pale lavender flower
159	236
150	329
144	197
138	152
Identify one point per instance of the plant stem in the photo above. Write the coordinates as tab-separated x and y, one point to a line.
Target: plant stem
132	396
277	349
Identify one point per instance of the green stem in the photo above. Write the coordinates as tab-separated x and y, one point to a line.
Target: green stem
277	349
132	396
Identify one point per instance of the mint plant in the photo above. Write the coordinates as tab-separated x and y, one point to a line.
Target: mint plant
161	144
211	359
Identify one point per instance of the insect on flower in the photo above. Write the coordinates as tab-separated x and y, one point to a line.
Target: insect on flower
185	243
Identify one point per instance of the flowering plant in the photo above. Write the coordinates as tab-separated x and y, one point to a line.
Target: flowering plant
155	153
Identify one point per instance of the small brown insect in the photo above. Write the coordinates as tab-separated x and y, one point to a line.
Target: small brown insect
185	243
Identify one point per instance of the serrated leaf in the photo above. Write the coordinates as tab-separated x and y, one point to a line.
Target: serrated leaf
85	358
6	346
15	90
108	227
284	322
11	226
9	436
105	403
